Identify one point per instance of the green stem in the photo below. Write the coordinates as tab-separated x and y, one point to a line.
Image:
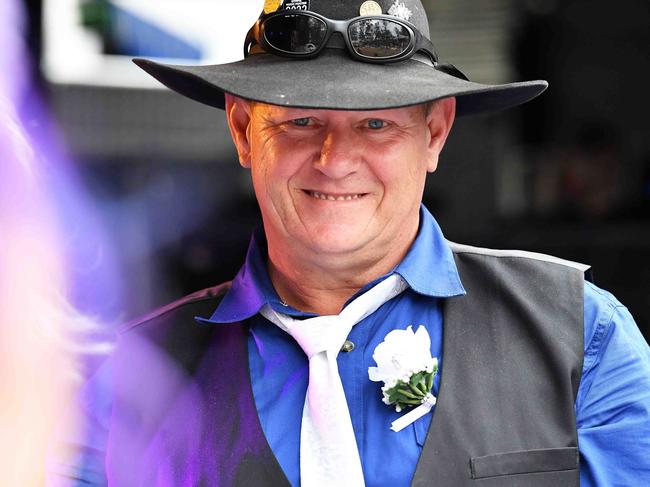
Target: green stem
416	390
410	402
406	393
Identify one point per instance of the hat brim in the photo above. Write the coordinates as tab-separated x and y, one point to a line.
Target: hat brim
335	81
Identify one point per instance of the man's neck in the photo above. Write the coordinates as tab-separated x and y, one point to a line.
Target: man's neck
323	284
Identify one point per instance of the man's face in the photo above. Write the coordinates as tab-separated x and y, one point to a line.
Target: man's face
336	182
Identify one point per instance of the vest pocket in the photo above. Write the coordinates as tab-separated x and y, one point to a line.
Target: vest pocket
524	461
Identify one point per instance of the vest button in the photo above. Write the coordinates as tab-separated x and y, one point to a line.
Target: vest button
348	346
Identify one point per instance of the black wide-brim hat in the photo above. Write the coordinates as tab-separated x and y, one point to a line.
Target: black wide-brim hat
334	80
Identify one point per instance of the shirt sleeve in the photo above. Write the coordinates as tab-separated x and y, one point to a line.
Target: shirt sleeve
613	403
77	457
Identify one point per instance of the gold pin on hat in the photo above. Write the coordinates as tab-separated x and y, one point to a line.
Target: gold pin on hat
271	6
370	8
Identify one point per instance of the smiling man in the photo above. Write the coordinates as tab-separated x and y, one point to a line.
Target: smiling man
339	191
518	372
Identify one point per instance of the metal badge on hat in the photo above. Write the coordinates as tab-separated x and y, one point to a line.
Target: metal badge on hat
399	10
271	6
370	8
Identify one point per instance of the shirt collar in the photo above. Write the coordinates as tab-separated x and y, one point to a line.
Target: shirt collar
428	268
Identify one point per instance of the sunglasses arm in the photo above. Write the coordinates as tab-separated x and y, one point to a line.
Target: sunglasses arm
251	39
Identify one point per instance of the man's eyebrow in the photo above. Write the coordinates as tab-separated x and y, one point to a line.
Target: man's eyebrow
273	115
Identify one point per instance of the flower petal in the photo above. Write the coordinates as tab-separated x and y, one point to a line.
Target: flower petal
374	375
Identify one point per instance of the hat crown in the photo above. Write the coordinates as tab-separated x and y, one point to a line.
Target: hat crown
410	10
333	80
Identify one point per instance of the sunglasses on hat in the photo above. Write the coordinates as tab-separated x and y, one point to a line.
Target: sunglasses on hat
304	34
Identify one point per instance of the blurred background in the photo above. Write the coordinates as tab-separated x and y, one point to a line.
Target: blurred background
568	174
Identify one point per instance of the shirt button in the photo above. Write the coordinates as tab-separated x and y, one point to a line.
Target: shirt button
348	346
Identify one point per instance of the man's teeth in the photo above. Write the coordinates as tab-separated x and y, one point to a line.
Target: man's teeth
330	197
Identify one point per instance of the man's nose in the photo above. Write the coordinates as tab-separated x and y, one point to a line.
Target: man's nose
340	154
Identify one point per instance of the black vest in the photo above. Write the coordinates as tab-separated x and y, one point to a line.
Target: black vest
184	412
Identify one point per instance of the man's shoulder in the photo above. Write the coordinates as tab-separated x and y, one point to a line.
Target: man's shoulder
504	254
198	303
171	335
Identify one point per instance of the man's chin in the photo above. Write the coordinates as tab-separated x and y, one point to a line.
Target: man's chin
337	241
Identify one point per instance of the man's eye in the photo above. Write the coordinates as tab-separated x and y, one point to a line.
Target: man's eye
301	122
375	124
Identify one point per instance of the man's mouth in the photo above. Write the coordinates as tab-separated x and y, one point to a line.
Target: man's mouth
334	197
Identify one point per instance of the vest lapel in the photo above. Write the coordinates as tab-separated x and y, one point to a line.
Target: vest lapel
184	411
246	455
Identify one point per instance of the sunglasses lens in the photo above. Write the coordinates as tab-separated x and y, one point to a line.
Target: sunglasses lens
295	33
379	38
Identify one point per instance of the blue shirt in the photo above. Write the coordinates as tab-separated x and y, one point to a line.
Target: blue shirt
612	407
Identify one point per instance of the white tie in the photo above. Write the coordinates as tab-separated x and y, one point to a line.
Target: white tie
328	450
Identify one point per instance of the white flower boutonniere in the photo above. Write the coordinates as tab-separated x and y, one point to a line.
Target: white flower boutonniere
407	369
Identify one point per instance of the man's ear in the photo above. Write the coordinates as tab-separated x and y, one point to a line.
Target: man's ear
440	119
238	113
